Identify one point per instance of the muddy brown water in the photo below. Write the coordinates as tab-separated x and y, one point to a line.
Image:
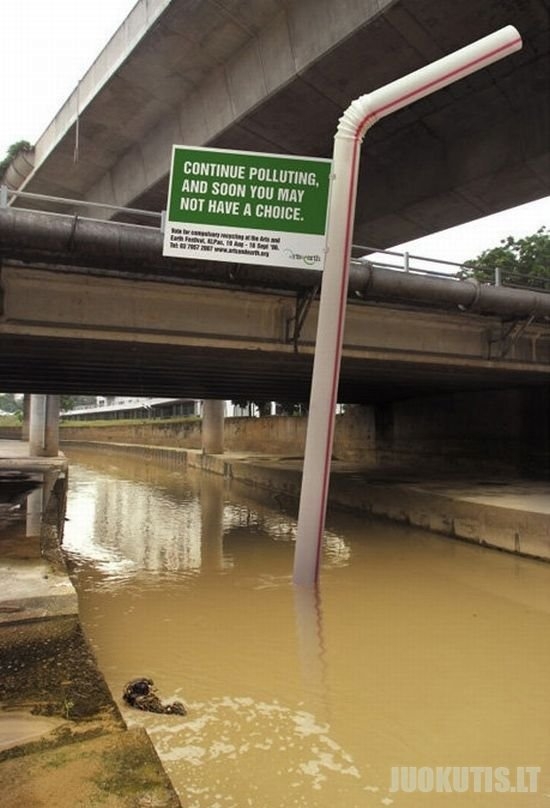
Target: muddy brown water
416	651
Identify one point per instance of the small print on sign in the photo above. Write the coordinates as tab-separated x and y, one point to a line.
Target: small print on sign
247	207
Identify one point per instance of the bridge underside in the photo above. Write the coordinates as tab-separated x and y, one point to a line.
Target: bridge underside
76	366
65	331
479	147
276	78
62	331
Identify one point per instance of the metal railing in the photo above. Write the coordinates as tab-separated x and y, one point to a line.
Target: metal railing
449	270
408	262
8	193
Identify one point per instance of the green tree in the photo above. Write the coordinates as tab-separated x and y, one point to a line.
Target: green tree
9	402
522	262
72	402
13	151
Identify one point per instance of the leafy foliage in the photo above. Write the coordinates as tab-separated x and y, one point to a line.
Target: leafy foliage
9	402
72	402
522	262
13	151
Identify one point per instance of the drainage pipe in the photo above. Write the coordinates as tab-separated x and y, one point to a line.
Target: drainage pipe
134	252
378	284
360	115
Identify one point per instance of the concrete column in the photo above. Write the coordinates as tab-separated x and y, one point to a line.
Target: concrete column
35	506
212	427
26	417
44	426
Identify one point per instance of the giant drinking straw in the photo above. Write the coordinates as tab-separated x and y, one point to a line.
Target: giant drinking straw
360	115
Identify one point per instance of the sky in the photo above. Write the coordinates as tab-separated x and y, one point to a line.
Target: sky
47	47
467	241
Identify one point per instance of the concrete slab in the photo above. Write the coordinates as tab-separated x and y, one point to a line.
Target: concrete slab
532	502
507	514
20	727
14	456
30	590
15	459
120	770
10	449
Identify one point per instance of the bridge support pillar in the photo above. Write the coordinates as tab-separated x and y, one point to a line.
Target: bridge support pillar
212	427
26	417
44	426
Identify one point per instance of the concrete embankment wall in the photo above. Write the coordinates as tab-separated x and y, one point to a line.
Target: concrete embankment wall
10	433
474	513
489	431
277	435
504	432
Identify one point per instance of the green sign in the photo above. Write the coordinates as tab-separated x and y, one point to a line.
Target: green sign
247	207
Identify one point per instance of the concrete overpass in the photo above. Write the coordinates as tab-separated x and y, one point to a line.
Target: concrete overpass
90	307
275	75
451	370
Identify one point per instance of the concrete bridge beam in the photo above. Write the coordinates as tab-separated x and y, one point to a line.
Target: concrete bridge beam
86	333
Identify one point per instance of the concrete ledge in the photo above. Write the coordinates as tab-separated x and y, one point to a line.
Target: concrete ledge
14	456
511	515
120	768
476	512
62	736
30	590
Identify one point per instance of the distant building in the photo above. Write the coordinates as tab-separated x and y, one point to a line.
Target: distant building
117	407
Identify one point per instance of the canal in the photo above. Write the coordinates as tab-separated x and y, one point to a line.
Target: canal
417	651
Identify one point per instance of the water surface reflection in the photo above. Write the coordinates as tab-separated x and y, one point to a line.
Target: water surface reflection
416	651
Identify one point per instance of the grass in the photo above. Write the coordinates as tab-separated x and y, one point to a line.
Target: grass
10	420
188	419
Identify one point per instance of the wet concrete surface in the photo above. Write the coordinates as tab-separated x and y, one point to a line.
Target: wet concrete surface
63	741
505	513
114	770
32	590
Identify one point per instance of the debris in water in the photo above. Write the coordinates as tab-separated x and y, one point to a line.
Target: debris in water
141	694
